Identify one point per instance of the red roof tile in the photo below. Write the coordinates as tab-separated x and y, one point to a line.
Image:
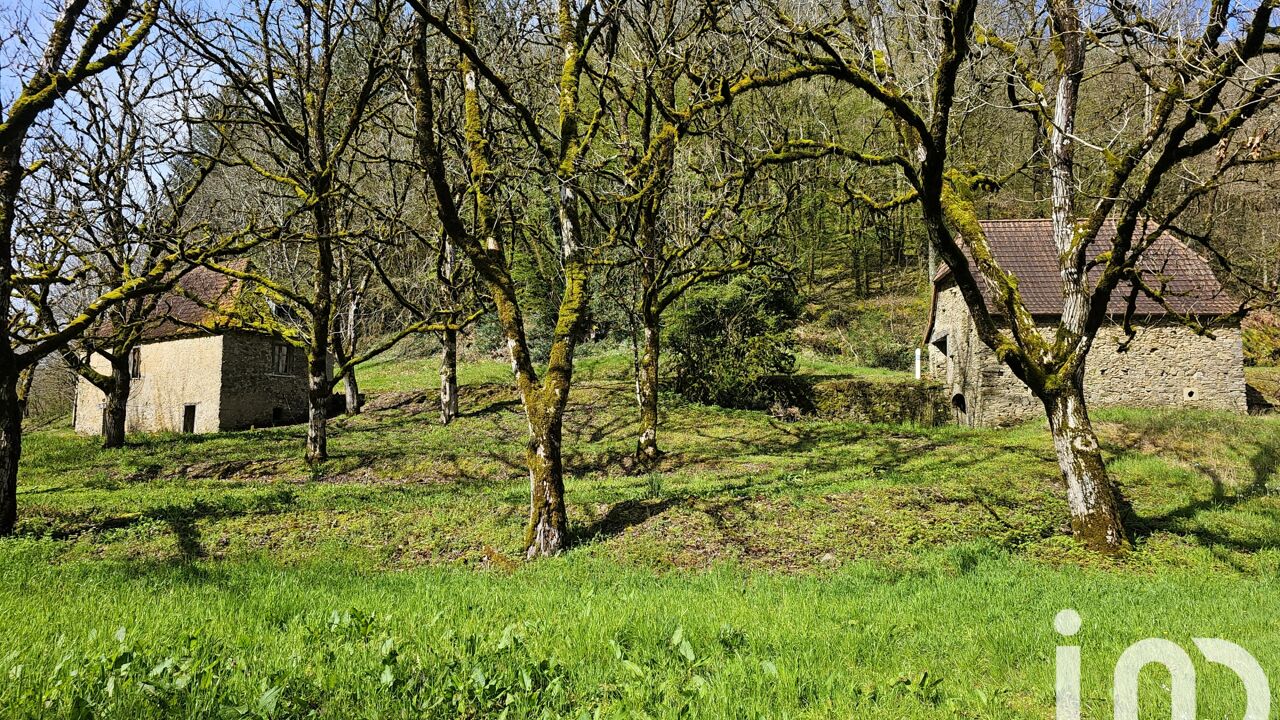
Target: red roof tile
195	305
1025	248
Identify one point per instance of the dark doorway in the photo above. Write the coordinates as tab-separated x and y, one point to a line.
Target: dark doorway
188	418
961	409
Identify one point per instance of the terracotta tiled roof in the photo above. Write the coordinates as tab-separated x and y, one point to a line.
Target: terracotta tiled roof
1025	248
194	305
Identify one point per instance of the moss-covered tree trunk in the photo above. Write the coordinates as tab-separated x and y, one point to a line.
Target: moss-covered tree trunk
318	385
1095	510
548	528
647	450
319	388
317	407
118	389
448	376
544	402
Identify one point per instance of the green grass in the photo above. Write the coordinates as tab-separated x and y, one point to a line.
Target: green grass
1266	380
400	374
964	633
815	569
819	366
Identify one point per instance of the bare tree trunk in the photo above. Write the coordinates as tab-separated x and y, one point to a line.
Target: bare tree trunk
347	349
318	385
10	448
10	373
114	421
548	529
649	310
449	340
317	407
449	377
1095	512
1070	52
352	388
647	390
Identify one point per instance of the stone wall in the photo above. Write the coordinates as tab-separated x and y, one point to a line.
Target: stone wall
175	373
882	400
1166	365
253	393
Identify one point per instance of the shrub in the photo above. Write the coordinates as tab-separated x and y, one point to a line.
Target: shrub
1261	334
878	332
731	340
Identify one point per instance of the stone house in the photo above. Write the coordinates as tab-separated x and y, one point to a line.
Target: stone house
195	372
1165	365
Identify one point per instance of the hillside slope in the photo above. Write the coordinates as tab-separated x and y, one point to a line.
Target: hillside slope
766	570
736	486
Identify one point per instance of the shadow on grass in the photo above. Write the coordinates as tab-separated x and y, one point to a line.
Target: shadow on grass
1186	521
622	515
182	520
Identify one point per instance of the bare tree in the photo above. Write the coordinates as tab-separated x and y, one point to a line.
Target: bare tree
577	32
668	91
410	240
298	83
1205	81
44	73
585	37
127	184
45	304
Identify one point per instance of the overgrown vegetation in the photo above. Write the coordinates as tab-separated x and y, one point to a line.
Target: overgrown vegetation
1260	332
877	400
731	340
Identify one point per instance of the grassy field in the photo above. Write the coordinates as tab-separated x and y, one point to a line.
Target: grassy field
766	569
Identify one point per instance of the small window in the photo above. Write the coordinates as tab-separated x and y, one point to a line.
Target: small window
280	359
135	363
188	418
941	343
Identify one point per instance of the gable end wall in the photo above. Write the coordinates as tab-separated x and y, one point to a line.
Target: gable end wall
175	373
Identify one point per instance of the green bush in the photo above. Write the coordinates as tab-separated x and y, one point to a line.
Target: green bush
732	340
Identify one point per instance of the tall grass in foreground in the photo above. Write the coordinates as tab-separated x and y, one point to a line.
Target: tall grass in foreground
966	633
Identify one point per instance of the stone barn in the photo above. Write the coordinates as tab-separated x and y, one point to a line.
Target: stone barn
195	373
1165	365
